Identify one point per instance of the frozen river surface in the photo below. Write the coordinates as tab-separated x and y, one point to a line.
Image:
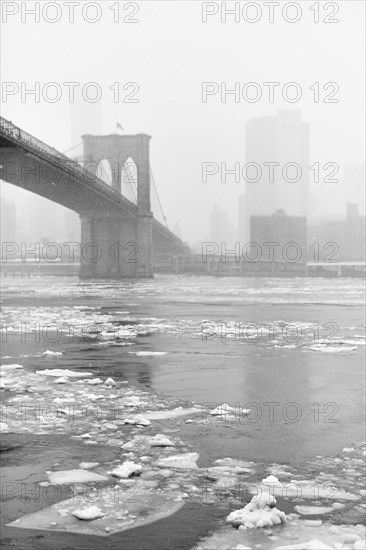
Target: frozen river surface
291	351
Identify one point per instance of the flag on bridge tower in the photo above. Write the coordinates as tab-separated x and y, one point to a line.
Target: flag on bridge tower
119	127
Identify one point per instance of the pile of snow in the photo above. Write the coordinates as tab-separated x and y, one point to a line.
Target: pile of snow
260	512
127	469
271	480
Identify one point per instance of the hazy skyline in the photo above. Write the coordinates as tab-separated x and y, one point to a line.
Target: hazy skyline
169	53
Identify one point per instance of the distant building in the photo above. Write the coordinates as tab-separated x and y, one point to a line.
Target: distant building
339	239
220	228
242	217
8	221
277	157
287	235
355	184
355	234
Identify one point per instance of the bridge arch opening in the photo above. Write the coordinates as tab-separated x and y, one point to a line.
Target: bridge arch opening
104	172
129	180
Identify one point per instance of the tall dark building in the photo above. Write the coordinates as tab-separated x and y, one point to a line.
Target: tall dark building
287	235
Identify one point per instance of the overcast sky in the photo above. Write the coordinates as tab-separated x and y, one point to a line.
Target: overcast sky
169	53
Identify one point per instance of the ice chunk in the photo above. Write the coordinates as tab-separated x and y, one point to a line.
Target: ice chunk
148	353
313	544
313	522
60	380
260	512
90	513
94	381
137	419
306	490
127	469
88	465
49	352
63	372
314	510
74	476
172	413
182	462
109	382
4	428
160	440
225	409
271	480
11	367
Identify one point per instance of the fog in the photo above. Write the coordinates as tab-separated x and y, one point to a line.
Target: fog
168	53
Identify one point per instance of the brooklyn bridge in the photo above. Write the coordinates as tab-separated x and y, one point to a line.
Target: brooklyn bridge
108	218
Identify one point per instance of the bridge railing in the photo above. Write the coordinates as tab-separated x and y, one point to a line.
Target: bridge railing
20	135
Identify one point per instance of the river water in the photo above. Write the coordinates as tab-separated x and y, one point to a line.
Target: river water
290	350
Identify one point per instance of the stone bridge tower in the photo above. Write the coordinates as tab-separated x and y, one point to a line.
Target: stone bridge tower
123	243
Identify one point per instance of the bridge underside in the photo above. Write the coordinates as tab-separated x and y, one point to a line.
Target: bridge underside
117	239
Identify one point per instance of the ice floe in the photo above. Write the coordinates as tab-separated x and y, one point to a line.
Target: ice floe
63	373
127	469
148	353
226	409
314	510
328	348
122	509
74	476
185	462
10	367
314	544
171	413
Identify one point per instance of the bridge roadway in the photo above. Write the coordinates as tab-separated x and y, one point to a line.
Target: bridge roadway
107	217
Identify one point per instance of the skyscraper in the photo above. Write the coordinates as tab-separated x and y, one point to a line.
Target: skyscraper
277	167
